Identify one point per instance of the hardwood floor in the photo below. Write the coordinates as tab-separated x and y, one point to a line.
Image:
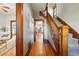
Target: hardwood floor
41	49
11	52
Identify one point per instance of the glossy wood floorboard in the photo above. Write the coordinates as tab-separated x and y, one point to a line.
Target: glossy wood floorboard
41	49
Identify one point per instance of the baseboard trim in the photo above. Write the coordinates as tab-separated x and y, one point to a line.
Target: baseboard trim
52	47
29	49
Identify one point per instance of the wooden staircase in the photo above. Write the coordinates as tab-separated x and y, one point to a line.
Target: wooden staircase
59	32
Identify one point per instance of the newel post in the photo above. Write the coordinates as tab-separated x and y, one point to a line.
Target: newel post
63	40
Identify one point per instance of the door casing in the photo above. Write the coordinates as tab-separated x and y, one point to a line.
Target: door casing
19	30
35	20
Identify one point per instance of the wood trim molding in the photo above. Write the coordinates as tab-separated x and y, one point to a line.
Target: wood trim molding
19	41
52	48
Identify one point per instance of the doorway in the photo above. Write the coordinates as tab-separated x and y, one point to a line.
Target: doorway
39	31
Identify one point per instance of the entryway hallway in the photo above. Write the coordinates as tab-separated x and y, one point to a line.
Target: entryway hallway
41	46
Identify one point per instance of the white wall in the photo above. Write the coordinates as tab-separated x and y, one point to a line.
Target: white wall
27	27
10	15
70	14
37	7
50	8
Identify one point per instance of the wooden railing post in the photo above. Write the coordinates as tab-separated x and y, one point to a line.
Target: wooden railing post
64	40
60	41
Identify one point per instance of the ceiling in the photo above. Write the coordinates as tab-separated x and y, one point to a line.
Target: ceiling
37	7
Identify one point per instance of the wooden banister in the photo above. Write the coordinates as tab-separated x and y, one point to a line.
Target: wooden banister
52	20
60	34
71	30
